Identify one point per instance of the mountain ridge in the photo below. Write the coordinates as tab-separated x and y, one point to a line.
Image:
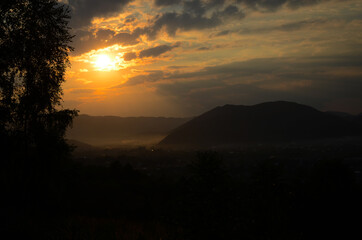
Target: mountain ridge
264	122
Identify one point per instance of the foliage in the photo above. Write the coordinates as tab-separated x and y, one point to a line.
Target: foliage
34	47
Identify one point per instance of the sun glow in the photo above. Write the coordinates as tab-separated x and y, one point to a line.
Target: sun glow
104	62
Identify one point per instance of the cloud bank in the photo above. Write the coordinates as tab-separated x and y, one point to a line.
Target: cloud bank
317	81
176	15
83	11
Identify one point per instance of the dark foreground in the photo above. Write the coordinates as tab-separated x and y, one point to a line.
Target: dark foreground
259	192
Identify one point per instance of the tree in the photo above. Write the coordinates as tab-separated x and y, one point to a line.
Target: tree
34	47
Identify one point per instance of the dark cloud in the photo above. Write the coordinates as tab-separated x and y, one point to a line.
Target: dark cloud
83	11
155	51
270	5
129	56
194	15
150	52
209	3
302	3
203	48
310	81
176	67
223	33
125	38
263	5
215	3
195	7
151	76
104	34
273	5
288	27
211	47
231	11
190	15
206	14
300	25
167	2
173	21
85	41
130	19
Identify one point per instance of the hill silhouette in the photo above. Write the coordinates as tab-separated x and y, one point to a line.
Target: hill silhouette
266	122
112	130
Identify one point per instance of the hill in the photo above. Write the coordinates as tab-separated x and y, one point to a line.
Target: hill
267	122
112	130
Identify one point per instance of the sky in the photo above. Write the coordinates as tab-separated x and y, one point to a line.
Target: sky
180	58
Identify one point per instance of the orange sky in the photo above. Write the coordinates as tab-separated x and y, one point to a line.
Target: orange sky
156	58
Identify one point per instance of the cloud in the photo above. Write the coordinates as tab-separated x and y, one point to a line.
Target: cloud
205	14
223	33
83	11
203	48
270	5
129	56
191	15
172	22
130	18
155	51
85	41
150	52
231	11
209	3
104	34
302	3
288	27
176	67
194	15
151	76
125	38
186	15
273	5
300	24
167	2
316	81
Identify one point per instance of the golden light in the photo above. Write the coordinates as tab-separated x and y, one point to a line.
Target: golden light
104	63
104	60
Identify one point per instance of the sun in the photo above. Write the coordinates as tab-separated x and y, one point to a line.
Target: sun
103	62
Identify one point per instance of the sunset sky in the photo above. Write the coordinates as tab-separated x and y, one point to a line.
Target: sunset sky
180	58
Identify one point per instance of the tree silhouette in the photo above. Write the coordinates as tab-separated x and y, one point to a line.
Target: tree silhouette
34	47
